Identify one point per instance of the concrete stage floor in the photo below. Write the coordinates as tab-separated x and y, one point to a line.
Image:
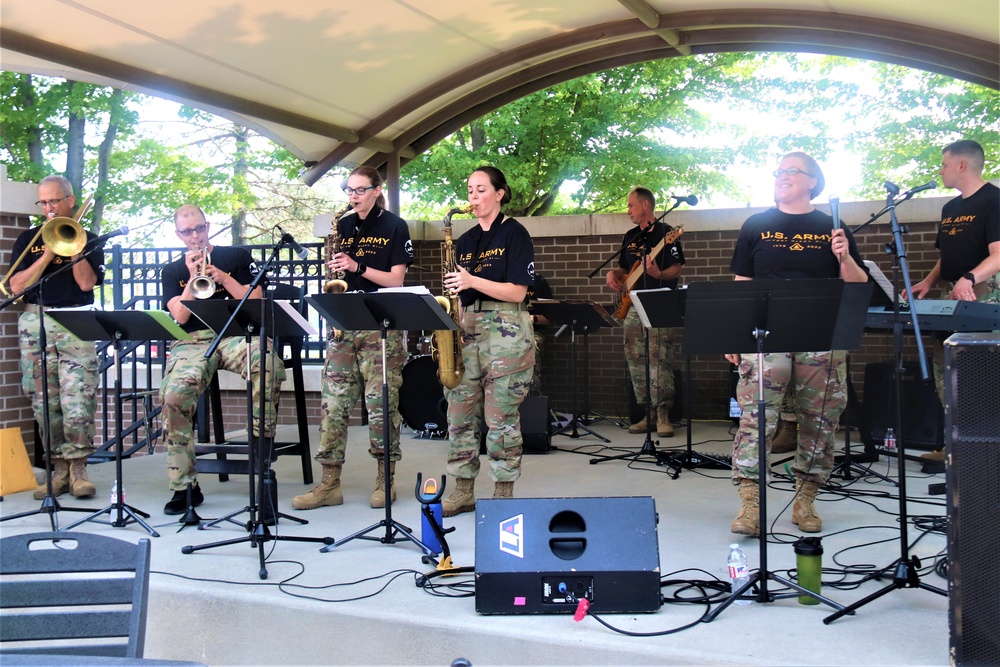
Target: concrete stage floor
211	606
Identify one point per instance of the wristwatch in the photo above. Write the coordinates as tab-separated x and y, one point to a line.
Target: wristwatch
971	278
361	269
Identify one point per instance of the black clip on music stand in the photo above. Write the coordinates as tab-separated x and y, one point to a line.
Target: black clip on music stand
772	316
119	326
227	318
664	308
581	317
381	311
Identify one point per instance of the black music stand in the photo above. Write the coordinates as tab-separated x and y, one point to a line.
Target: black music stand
581	317
770	316
227	318
118	326
381	311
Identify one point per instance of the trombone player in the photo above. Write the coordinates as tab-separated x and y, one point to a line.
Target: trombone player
71	362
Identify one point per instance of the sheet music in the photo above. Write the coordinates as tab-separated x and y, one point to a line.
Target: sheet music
415	289
637	303
297	317
880	279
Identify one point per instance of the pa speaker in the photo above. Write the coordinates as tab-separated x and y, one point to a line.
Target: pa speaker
536	429
923	418
972	428
542	555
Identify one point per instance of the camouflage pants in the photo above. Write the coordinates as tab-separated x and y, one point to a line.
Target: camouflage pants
989	293
188	374
498	355
819	382
661	362
72	384
538	339
352	365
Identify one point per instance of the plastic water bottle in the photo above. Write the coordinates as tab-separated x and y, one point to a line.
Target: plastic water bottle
739	571
114	493
890	440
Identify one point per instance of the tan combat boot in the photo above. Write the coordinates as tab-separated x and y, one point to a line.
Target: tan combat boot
804	511
503	489
786	437
638	427
60	480
79	485
327	492
664	428
378	495
937	455
747	522
462	499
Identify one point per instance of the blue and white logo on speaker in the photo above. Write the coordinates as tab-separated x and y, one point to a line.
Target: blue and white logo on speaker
512	536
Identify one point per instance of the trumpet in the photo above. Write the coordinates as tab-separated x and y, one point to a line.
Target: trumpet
446	345
203	287
63	236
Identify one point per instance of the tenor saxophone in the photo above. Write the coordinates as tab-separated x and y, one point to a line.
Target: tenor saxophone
446	345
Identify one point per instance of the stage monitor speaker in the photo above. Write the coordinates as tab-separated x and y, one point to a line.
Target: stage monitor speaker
923	417
542	555
972	426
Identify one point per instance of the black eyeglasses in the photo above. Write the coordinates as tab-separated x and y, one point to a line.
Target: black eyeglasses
195	230
51	202
791	171
360	191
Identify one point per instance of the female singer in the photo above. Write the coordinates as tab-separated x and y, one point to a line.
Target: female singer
495	266
792	241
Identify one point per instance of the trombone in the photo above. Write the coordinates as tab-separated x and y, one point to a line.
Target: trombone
63	236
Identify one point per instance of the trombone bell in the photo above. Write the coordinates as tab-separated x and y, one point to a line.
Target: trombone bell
64	236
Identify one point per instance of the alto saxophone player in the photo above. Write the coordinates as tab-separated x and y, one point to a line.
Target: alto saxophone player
495	267
375	251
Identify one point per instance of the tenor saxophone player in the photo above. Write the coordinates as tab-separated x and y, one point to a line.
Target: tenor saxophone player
494	267
375	250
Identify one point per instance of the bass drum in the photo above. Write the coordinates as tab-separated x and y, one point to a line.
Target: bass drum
421	398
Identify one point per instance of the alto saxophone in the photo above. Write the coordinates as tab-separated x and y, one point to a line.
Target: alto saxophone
335	283
446	346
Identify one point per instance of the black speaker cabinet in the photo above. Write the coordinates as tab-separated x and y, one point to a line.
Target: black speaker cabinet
536	429
972	429
542	555
923	418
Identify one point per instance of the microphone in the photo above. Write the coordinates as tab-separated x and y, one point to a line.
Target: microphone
690	200
101	240
891	188
286	239
835	210
920	188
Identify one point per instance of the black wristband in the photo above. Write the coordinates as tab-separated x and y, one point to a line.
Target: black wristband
971	278
361	269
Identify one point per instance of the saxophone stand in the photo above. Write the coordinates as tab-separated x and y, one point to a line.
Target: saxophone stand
49	504
119	326
580	317
383	311
906	573
227	317
765	317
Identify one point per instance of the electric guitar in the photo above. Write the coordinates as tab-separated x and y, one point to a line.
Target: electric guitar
623	300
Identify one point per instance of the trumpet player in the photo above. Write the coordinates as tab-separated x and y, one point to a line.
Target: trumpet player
374	251
227	272
494	266
71	362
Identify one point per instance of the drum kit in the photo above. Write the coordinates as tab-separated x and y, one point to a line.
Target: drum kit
421	397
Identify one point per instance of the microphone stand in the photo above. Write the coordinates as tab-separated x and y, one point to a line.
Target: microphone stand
49	504
906	573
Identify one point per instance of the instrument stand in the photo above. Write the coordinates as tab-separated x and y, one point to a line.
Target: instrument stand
444	565
772	316
227	317
118	326
580	317
906	574
383	310
848	465
49	504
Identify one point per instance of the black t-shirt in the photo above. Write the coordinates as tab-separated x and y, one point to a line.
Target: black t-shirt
968	226
61	291
504	254
380	241
236	262
779	246
638	242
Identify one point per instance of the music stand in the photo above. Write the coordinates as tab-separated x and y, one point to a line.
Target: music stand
772	316
581	316
396	309
227	318
119	326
